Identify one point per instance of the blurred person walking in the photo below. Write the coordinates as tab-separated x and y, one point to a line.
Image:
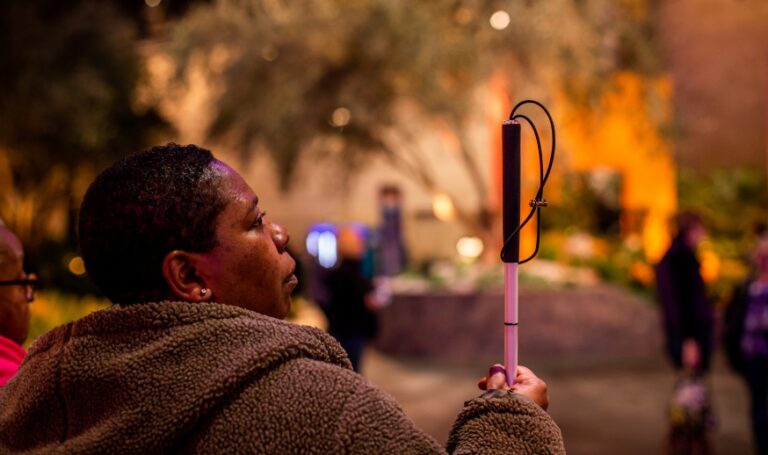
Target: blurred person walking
686	313
352	302
391	252
746	341
16	292
688	323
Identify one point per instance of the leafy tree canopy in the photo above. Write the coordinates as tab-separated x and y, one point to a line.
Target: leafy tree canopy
286	67
70	70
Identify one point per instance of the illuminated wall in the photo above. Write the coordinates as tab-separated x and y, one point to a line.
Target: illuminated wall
622	133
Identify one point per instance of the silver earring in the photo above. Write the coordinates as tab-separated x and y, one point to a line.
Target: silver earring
203	291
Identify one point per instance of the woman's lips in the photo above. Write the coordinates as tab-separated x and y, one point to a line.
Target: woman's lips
291	280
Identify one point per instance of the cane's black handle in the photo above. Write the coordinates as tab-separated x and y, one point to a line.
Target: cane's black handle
510	168
510	144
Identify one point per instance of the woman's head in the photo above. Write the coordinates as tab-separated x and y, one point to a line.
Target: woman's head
171	223
14	298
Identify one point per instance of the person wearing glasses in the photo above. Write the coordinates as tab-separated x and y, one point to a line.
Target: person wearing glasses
194	357
16	292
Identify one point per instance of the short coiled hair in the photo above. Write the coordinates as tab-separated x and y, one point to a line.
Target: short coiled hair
140	209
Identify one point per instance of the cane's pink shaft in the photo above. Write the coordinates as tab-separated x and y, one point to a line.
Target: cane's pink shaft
510	321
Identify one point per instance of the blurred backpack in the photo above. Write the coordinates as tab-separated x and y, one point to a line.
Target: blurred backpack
691	416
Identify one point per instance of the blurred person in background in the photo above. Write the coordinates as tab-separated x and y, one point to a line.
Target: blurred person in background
352	302
688	322
391	252
16	293
194	357
686	313
746	341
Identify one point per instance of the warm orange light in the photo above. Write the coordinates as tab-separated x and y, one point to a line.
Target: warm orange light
341	116
655	235
642	272
622	133
710	266
442	206
76	266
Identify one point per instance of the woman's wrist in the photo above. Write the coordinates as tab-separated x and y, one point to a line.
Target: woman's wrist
496	393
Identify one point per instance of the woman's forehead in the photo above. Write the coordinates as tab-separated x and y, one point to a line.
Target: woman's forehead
234	187
238	195
11	253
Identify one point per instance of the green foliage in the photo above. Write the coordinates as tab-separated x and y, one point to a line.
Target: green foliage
52	309
592	204
285	67
69	105
290	66
732	204
69	77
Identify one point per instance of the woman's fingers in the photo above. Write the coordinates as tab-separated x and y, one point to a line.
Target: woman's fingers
528	384
524	374
495	379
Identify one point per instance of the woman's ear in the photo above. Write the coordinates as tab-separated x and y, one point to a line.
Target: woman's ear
181	275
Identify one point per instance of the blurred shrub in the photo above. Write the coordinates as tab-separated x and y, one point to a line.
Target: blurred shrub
52	309
732	203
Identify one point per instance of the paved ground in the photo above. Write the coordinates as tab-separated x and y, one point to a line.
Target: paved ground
607	408
606	400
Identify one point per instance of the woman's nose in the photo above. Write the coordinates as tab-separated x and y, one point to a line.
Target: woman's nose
280	236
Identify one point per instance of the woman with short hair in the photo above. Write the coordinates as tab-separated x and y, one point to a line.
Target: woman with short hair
193	356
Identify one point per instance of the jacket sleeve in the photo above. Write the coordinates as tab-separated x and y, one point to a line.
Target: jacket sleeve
373	423
503	425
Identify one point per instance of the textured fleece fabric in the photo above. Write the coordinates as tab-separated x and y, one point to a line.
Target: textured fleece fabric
210	378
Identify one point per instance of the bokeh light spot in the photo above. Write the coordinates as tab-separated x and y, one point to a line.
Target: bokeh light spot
76	266
469	247
341	116
500	20
269	53
442	207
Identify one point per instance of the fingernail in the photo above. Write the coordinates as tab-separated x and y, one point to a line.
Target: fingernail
497	369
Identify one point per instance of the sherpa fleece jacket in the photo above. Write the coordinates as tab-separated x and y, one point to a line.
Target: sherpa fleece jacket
211	378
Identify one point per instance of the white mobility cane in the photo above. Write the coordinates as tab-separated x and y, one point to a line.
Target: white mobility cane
510	251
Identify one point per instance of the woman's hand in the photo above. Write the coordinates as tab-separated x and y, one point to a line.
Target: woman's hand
526	383
691	354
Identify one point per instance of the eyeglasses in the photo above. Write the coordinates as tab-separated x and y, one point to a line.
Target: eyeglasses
30	283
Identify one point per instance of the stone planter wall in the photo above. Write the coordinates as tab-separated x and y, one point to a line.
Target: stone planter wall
599	321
